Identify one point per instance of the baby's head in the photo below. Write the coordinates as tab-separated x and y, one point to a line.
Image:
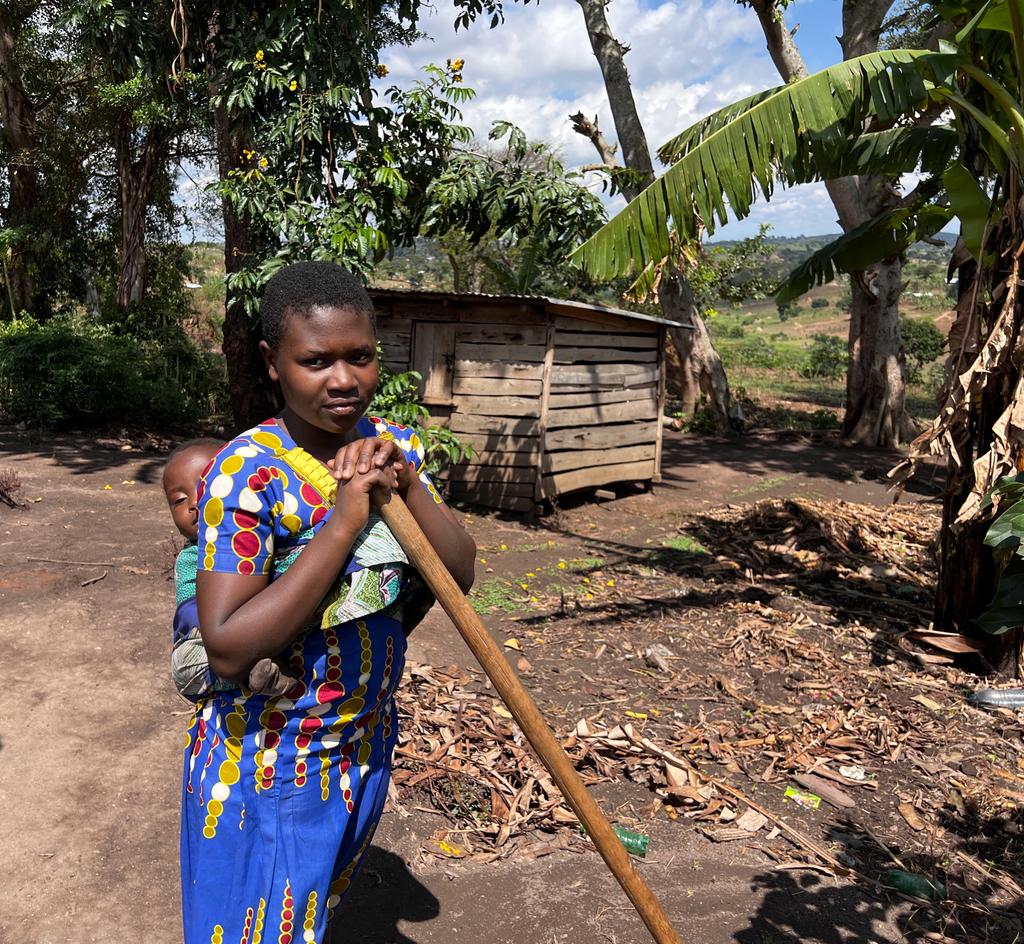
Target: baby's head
181	482
320	343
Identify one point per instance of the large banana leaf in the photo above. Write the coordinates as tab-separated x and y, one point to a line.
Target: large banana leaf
880	238
791	133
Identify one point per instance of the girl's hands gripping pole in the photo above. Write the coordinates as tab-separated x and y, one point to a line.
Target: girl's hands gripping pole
358	468
355	464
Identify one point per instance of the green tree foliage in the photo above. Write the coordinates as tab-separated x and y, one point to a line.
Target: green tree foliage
515	210
732	273
826	357
73	372
923	343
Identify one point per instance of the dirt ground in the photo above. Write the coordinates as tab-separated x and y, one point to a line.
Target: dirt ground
756	642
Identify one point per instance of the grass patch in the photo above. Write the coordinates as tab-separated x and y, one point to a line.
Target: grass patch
495	595
684	544
764	485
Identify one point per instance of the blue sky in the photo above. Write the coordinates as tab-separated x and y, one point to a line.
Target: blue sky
687	58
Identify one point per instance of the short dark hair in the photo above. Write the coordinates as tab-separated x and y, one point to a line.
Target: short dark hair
302	286
203	442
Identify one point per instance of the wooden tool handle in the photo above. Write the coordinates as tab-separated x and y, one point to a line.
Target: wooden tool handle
424	558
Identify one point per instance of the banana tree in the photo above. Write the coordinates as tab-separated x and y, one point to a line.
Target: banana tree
953	116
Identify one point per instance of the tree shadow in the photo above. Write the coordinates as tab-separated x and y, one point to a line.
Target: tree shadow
384	893
724	567
811	909
787	452
81	454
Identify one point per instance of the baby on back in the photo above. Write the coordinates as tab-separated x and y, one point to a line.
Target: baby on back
190	667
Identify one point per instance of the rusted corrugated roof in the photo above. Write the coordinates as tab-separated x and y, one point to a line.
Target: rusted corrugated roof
561	306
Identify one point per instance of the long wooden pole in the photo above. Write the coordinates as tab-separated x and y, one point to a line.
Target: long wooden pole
424	558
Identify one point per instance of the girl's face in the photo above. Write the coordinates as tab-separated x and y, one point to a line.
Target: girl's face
326	364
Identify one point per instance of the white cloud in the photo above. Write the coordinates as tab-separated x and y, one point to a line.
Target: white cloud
686	59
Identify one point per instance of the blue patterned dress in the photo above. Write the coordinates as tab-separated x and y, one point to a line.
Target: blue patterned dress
281	795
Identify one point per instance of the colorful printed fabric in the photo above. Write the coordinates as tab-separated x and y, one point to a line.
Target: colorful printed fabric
281	794
190	667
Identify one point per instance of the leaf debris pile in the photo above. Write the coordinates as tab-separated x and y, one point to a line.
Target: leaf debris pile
795	721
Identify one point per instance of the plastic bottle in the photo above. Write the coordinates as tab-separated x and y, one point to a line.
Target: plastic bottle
634	843
913	884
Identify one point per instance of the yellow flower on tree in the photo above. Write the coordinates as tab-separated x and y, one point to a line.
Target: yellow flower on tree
456	64
380	70
264	163
293	85
259	55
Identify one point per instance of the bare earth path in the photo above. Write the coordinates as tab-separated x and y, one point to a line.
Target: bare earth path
89	772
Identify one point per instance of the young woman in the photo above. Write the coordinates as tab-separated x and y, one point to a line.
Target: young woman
281	794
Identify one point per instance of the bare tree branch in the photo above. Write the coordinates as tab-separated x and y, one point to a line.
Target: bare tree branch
581	124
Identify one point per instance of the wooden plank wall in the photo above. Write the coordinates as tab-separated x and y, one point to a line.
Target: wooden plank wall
496	391
395	336
603	410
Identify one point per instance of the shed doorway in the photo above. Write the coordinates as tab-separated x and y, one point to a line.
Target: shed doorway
433	358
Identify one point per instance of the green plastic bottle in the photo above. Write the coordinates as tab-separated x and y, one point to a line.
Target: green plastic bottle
634	843
911	883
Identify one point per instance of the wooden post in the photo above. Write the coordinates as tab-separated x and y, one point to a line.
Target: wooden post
424	558
539	492
660	433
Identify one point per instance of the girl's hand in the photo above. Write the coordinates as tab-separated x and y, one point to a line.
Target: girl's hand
352	503
362	455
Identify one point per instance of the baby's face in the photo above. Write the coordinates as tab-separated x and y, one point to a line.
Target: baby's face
181	483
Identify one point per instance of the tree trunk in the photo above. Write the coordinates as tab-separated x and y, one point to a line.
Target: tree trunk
17	125
702	368
876	390
135	181
875	376
968	575
249	388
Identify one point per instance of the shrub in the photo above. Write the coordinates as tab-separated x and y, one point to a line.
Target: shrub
731	331
819	303
826	357
72	372
753	352
923	343
398	399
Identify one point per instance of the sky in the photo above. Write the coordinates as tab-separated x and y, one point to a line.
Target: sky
687	58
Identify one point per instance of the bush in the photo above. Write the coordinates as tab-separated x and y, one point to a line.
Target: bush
69	372
826	357
819	303
731	331
754	352
923	343
398	399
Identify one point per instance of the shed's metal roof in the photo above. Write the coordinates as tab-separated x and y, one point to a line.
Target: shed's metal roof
561	306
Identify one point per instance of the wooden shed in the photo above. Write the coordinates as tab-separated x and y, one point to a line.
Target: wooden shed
554	396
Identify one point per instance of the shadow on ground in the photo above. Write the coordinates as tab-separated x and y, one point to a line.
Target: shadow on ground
786	453
795	909
384	893
80	454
